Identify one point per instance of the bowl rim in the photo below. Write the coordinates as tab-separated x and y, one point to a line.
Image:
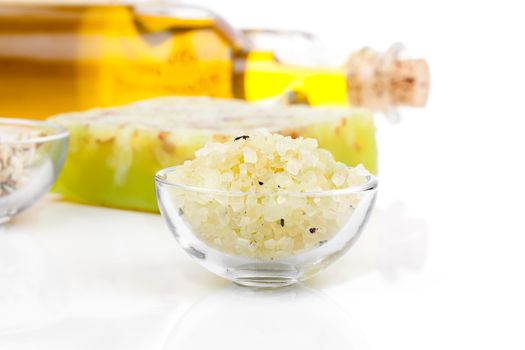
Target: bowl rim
369	186
60	131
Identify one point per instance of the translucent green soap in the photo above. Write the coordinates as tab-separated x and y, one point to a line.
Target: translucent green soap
115	152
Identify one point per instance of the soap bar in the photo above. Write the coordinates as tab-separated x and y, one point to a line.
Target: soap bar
115	152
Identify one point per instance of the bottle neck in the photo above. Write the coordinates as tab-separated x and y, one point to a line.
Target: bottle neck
261	76
377	81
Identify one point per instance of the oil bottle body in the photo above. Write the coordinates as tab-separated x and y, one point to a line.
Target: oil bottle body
61	58
56	59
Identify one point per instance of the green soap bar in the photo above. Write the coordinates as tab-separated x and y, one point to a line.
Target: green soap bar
115	152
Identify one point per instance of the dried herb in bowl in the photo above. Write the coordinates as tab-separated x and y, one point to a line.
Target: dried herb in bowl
15	157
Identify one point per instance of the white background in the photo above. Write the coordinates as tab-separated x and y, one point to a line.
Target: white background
440	265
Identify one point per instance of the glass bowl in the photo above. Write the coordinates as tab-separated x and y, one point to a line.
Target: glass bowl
31	156
264	239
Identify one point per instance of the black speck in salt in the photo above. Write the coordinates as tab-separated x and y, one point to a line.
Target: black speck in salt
261	183
244	137
312	229
282	222
181	212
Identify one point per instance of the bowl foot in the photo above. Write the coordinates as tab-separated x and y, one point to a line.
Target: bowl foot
265	282
264	276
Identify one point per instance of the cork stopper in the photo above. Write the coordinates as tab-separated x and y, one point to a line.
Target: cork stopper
381	81
409	84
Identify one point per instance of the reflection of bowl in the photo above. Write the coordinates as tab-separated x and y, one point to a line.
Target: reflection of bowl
236	318
31	156
33	292
264	239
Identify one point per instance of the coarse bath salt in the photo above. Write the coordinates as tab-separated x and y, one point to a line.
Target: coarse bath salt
265	196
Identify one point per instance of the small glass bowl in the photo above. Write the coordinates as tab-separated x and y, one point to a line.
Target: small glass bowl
264	239
32	154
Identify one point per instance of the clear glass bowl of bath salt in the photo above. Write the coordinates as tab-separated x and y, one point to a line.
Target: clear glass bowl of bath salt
264	239
31	156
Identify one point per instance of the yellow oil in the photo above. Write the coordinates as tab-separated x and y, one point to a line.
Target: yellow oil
265	77
56	59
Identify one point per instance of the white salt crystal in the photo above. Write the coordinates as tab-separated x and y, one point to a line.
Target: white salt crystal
243	170
293	167
269	244
311	143
338	179
250	156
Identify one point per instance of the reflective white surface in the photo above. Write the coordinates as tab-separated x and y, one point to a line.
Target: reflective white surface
289	318
80	277
440	265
